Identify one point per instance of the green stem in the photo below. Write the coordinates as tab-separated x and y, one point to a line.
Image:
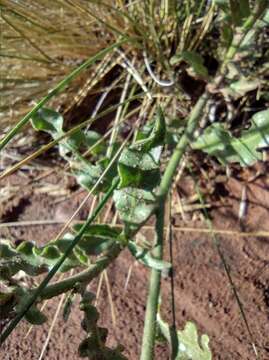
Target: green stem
56	90
38	292
85	276
155	280
154	290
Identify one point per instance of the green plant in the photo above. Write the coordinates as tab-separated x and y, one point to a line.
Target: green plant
132	174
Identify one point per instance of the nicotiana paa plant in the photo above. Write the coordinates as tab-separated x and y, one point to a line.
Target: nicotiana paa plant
134	176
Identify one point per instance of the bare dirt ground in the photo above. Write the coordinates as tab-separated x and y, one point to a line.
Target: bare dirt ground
202	294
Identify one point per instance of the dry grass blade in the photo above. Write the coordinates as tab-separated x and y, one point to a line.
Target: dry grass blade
53	323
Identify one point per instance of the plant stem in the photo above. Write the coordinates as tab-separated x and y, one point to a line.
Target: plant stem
85	276
155	279
154	290
39	290
147	352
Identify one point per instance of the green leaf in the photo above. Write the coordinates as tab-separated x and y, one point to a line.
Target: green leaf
81	141
190	347
227	34
6	251
196	61
91	138
134	206
31	259
49	121
12	261
144	256
193	59
243	86
94	346
6	295
97	238
139	171
87	176
157	135
220	143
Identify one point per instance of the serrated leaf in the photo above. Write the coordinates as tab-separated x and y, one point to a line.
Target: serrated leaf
144	256
189	346
12	261
89	348
94	346
220	143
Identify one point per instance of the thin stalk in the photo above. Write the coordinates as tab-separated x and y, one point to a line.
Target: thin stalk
166	182
154	290
173	329
85	276
52	327
38	292
155	279
56	90
118	117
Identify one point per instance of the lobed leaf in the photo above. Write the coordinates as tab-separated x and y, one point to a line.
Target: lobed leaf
189	346
94	345
35	260
139	171
86	173
246	149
